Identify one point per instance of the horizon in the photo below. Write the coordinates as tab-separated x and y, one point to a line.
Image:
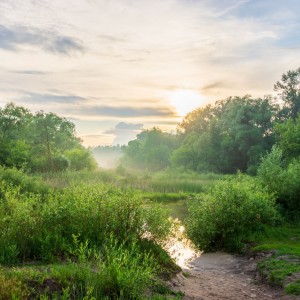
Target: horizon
114	68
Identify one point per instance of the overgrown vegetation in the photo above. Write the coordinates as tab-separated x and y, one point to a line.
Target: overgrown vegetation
95	234
232	211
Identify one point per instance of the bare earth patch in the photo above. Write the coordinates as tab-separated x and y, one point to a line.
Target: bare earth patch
214	276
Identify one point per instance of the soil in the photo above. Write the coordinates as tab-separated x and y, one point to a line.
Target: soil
214	276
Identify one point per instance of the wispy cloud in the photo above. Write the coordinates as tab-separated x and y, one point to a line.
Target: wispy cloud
30	72
13	38
129	126
50	98
123	111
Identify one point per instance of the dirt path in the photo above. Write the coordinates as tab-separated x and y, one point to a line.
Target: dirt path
214	276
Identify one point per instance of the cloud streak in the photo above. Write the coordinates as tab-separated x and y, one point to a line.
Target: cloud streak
30	72
123	111
51	98
15	37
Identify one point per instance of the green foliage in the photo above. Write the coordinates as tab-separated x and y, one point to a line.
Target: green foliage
270	169
230	214
11	288
278	268
21	181
43	228
284	239
80	159
151	150
283	181
293	288
227	137
289	91
288	137
126	272
119	270
39	142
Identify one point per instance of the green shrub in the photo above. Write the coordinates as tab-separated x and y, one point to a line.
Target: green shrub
19	179
283	181
80	159
60	163
44	228
228	215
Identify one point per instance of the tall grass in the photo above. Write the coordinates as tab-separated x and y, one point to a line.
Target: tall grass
32	227
169	181
104	236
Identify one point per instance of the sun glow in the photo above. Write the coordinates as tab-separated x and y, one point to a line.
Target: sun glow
184	101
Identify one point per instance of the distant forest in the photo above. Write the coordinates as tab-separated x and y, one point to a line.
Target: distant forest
231	135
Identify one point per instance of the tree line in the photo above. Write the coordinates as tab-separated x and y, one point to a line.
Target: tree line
40	141
231	135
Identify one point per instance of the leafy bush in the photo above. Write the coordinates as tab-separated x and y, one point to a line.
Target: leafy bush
283	181
228	215
43	228
60	163
80	159
19	179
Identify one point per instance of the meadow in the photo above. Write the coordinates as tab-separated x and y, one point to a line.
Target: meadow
85	234
69	230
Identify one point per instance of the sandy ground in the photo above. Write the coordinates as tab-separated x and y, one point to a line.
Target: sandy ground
214	276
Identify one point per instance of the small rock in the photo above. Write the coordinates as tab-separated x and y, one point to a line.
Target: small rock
253	296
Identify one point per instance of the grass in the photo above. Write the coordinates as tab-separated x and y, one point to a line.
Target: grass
72	280
170	181
285	240
71	225
283	267
119	271
176	203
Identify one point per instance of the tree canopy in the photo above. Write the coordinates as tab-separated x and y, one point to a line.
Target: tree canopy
229	136
40	141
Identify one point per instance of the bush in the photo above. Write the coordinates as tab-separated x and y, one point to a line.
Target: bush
80	159
283	181
20	180
60	163
228	215
43	228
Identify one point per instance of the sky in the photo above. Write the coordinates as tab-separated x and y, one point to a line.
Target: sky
116	67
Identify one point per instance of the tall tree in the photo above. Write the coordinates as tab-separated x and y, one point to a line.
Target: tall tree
14	132
39	142
151	149
289	91
288	137
52	136
227	137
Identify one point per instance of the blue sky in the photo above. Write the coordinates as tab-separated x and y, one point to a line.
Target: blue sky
102	63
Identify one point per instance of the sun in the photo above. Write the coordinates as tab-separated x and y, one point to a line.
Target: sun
184	101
